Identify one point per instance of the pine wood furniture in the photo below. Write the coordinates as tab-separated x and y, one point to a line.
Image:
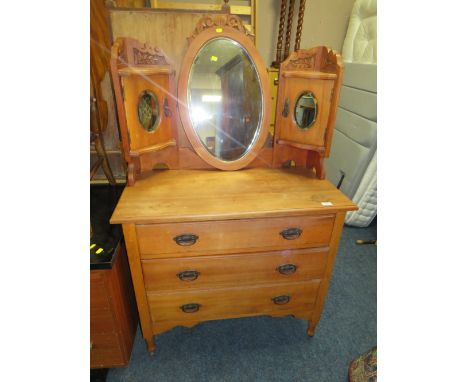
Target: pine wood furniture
205	244
113	315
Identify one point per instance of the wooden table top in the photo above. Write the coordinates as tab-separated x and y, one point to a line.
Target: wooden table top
198	195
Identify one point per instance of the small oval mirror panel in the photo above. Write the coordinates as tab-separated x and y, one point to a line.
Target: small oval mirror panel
148	110
225	99
305	111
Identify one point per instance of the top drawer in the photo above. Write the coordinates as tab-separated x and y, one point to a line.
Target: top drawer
234	236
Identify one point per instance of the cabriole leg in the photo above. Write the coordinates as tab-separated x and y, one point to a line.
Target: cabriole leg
150	345
311	328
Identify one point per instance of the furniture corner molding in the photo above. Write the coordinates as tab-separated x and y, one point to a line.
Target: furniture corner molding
332	61
231	21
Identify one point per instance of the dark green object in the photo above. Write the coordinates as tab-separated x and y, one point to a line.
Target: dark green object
148	110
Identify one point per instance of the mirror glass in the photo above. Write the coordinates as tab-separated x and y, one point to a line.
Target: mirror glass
305	111
148	110
225	98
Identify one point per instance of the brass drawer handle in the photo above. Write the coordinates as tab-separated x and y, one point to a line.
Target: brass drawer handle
190	308
186	239
188	275
286	269
291	233
281	300
91	345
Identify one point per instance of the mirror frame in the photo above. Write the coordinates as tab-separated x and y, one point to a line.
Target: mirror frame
223	26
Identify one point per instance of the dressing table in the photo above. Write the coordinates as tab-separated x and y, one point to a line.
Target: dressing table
237	222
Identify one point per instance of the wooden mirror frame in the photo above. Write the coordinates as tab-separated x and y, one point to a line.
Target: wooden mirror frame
231	27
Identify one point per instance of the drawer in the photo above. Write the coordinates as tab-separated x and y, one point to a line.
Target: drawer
205	271
105	351
99	299
234	236
215	304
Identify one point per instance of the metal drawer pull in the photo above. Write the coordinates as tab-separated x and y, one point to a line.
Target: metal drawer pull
188	275
186	239
291	233
286	269
281	300
190	308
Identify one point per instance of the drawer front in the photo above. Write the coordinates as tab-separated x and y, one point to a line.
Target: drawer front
278	299
234	236
102	322
205	271
99	299
105	351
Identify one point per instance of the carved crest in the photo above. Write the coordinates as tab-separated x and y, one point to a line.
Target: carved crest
132	52
149	56
302	59
230	21
317	58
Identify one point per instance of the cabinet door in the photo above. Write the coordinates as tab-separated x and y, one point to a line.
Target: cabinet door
303	110
148	110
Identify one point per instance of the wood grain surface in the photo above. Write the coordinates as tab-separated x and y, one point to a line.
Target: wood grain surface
184	195
233	236
251	268
233	302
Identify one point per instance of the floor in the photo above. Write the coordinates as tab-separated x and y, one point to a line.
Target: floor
274	349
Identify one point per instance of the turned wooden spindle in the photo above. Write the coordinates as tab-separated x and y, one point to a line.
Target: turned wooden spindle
226	7
288	29
300	19
279	45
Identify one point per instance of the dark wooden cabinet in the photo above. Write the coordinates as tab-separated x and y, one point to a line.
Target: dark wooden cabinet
113	316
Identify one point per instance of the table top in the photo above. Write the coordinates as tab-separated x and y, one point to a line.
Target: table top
200	195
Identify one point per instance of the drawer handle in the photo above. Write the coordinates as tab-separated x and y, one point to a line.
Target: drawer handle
286	269
188	275
190	308
186	239
291	233
281	300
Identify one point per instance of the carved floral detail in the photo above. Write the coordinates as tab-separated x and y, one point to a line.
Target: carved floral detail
149	56
301	60
230	21
320	58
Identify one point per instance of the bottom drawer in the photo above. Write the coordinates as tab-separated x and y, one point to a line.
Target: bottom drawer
201	305
105	350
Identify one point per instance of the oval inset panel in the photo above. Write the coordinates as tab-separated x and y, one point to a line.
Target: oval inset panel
305	111
148	111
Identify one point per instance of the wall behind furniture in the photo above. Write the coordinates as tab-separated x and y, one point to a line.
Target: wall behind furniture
325	23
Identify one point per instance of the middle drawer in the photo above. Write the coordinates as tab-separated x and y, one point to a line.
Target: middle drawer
205	271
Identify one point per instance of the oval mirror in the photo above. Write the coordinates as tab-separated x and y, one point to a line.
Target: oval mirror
148	110
305	111
222	98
